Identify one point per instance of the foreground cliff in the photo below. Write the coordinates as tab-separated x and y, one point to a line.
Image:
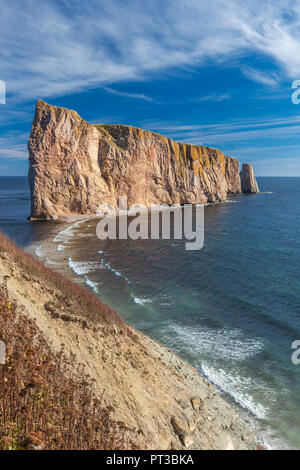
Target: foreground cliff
75	167
154	397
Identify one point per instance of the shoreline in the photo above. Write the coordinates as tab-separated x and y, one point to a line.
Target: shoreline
244	414
159	396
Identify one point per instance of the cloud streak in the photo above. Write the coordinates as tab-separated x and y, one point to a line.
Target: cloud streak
66	47
138	96
12	146
252	137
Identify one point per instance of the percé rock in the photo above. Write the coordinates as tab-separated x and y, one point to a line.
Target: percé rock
248	181
76	166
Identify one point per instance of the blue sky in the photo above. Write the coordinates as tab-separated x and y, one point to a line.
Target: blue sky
216	74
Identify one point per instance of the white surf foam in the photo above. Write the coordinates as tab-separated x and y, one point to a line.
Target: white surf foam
67	233
116	273
229	348
237	387
48	262
140	301
92	284
38	251
83	267
229	344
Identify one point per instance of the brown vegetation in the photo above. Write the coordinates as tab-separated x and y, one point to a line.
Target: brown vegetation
45	401
88	304
48	399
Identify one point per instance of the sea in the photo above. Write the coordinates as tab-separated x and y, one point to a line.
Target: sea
231	309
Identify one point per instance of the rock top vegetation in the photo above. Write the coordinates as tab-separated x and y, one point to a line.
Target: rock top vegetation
76	166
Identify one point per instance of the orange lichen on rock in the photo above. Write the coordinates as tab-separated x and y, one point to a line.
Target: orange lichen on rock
65	152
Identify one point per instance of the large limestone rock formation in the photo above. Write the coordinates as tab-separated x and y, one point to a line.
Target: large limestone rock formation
248	181
76	166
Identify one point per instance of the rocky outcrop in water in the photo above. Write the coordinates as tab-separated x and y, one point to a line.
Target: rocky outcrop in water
76	166
248	181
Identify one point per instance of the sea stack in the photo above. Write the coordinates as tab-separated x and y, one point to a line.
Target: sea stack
74	167
248	181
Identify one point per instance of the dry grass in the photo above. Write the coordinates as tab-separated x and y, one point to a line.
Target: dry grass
87	303
45	401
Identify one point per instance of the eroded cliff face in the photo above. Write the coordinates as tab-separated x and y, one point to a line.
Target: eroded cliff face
76	166
165	403
248	181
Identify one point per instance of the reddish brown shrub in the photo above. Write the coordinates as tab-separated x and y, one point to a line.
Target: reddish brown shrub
45	401
89	305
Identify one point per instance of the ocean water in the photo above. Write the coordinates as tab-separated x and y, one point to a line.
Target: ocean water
232	309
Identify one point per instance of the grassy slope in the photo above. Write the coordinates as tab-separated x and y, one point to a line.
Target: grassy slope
148	389
46	399
47	402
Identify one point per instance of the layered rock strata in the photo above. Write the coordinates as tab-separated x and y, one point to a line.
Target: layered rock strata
76	166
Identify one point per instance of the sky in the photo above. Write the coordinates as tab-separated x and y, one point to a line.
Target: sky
216	73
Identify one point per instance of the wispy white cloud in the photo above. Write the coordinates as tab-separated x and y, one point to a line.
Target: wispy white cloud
16	153
127	95
212	97
10	115
65	47
253	140
229	126
270	79
13	147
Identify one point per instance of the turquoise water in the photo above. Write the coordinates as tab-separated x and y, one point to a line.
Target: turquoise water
232	309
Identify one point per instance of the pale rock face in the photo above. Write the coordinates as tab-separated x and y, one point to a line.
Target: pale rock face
75	167
248	181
